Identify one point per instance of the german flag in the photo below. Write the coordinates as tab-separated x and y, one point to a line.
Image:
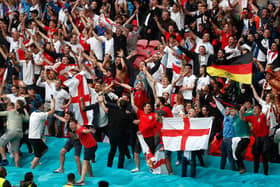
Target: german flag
238	69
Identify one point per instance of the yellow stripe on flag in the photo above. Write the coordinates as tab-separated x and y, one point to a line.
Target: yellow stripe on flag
242	78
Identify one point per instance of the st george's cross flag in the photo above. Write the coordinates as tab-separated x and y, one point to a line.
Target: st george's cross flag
156	162
186	134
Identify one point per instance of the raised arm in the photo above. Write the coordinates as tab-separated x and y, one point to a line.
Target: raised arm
241	112
148	75
176	80
255	93
53	107
162	30
102	104
4	55
135	108
123	85
254	7
60	118
39	23
73	25
220	107
275	13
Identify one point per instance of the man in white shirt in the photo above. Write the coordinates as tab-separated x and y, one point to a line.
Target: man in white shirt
36	54
232	49
170	50
75	46
96	47
109	43
205	42
27	69
49	85
60	96
188	83
14	40
14	96
36	126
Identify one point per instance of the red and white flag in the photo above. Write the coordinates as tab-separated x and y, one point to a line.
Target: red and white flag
155	162
186	134
78	88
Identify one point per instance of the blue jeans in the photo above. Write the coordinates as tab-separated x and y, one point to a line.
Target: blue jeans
51	123
226	151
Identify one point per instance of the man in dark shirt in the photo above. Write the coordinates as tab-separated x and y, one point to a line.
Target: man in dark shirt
119	41
119	118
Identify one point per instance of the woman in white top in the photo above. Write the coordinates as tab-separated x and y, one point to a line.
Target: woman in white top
178	111
203	80
178	107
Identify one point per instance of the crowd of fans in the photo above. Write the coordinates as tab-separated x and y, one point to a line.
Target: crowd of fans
137	56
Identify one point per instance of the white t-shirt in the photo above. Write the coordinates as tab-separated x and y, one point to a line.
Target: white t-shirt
13	98
60	96
160	89
93	95
57	46
170	56
202	82
37	59
75	47
188	82
49	88
96	46
36	124
208	46
178	110
178	18
234	52
109	46
27	71
13	44
158	74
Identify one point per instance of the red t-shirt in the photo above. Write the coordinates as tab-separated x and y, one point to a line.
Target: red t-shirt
147	123
87	140
168	112
224	39
260	128
140	98
167	35
48	29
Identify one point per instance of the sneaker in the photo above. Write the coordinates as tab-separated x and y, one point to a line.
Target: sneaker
80	183
59	170
4	163
178	163
135	170
242	171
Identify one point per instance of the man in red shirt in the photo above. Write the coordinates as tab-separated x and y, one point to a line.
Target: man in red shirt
90	146
262	145
147	125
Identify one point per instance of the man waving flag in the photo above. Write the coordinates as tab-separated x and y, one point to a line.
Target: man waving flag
186	134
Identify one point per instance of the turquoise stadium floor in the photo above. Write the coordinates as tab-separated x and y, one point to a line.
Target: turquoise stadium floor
210	176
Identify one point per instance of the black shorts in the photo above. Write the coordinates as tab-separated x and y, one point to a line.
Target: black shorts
39	147
89	153
150	141
73	143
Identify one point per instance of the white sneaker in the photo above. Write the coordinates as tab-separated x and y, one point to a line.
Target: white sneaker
135	170
178	163
59	170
